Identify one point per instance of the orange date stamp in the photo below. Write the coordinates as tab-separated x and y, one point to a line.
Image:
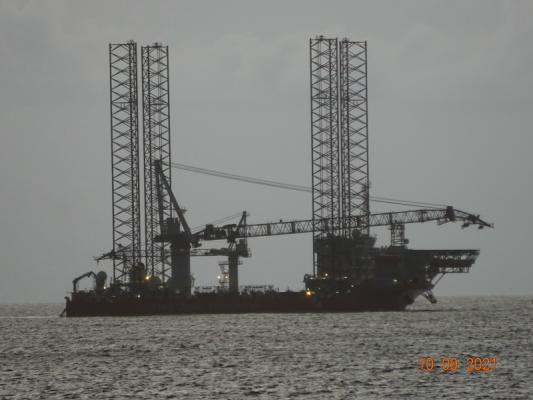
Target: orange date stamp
456	364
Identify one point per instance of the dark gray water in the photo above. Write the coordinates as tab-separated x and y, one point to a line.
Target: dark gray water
313	356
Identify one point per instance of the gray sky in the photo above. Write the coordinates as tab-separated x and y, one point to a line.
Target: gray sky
449	107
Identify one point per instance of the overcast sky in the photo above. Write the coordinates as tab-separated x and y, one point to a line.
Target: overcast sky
450	111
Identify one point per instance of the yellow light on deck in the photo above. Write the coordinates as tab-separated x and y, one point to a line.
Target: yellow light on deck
308	292
147	277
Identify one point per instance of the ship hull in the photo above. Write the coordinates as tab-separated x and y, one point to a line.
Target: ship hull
372	299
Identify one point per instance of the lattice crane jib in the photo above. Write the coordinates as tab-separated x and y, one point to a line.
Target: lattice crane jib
124	157
395	219
156	143
354	132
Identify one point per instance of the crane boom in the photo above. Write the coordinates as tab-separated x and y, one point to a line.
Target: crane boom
440	215
79	278
179	211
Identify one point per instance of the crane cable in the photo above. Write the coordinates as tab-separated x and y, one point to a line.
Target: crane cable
289	186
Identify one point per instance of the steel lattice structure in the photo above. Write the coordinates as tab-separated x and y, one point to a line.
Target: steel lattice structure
124	157
353	132
439	215
325	133
156	142
397	235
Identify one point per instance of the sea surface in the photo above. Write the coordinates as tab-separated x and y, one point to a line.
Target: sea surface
272	356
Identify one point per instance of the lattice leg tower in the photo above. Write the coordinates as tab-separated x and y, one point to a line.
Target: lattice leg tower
156	135
354	133
325	135
124	157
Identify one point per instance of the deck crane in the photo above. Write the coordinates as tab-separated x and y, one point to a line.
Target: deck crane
335	257
99	280
183	244
328	262
238	247
176	231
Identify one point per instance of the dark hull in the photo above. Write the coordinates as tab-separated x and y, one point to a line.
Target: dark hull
372	299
